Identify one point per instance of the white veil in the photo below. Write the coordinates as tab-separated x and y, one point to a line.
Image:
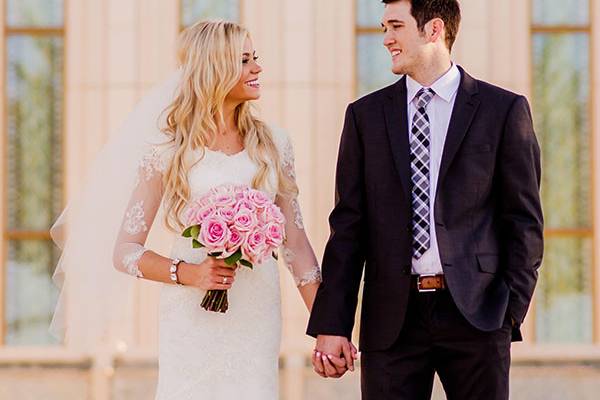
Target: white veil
100	302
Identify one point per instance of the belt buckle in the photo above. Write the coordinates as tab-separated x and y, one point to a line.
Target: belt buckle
419	288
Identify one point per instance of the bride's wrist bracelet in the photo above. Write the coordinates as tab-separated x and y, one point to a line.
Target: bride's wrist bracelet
173	270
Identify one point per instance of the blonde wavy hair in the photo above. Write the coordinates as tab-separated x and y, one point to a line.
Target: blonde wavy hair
210	55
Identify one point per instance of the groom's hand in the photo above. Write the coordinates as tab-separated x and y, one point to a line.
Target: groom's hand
333	356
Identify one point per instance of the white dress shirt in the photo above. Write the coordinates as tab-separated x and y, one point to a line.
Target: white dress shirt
439	111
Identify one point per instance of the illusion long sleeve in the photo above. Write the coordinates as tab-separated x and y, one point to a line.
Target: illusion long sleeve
297	252
140	213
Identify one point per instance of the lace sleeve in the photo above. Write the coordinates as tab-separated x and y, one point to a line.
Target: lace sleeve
297	252
139	215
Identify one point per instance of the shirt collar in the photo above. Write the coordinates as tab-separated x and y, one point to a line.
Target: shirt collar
445	87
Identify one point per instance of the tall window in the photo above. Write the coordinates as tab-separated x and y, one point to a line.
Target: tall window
32	166
561	104
373	61
195	10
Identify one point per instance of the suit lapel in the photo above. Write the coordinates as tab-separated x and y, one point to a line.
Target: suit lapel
396	120
465	107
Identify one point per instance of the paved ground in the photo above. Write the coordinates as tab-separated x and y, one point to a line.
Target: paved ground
529	382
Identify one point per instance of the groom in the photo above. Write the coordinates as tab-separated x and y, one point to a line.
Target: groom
437	196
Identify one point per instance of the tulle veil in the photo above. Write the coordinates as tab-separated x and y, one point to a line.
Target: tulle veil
95	305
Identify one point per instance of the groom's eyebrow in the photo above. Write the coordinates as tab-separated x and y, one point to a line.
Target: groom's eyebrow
392	21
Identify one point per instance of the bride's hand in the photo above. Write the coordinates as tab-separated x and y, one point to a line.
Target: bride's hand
210	274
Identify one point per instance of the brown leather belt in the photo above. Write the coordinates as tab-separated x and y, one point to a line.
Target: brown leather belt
428	283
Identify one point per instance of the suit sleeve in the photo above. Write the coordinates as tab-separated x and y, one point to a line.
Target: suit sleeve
520	207
343	261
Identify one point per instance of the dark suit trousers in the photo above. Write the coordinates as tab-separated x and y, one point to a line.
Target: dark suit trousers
471	364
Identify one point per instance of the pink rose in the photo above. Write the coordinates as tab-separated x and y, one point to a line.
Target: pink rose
255	247
245	220
262	217
214	234
227	213
240	195
236	240
274	214
258	199
245	204
190	216
224	200
274	234
203	201
245	190
201	214
191	210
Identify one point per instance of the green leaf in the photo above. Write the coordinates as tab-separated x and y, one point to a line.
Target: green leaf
215	254
196	244
234	258
275	256
246	263
188	232
195	231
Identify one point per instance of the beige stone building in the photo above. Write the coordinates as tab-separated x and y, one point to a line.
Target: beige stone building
72	69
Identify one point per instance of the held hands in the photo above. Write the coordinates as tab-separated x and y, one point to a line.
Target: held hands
210	274
333	356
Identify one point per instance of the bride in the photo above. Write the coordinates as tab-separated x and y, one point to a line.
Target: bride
209	137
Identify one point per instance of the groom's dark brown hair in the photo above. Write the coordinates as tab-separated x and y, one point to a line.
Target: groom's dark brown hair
425	10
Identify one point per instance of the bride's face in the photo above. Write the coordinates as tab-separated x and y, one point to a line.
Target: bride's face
248	87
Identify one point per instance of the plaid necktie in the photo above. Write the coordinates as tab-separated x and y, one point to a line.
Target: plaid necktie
419	165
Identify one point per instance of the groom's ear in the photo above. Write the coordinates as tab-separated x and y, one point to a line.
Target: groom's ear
435	30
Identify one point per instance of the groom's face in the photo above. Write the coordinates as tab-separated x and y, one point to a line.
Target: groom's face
402	37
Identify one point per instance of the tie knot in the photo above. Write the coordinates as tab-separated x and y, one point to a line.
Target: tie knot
423	97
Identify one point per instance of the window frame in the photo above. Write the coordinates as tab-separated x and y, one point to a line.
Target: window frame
588	28
358	32
182	26
362	30
21	235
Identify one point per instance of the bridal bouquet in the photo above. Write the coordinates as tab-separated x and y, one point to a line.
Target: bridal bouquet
239	224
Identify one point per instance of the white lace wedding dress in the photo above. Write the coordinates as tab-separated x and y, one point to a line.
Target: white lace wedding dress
207	355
